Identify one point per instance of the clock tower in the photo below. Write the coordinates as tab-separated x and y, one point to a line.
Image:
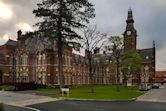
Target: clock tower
130	34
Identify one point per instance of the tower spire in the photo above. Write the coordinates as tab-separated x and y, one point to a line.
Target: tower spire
154	43
130	20
130	34
130	16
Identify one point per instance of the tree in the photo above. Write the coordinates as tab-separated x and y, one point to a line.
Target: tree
92	39
61	18
131	64
115	46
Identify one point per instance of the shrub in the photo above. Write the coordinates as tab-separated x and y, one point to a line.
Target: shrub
1	107
41	86
7	88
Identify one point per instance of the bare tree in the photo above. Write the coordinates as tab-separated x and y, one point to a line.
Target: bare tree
115	45
92	39
123	59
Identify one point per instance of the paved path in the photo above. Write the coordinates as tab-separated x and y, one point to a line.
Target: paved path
154	95
19	99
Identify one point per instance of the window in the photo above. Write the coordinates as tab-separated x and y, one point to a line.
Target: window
17	62
43	59
69	61
24	59
66	61
39	59
10	60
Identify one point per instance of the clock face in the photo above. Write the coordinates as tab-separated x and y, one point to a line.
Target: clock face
128	32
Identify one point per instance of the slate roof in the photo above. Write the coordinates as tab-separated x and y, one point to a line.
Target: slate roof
146	54
32	45
11	43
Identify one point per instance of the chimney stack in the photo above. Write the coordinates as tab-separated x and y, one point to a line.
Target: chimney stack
19	34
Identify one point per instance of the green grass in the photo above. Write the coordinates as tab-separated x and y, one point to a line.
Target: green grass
1	107
101	92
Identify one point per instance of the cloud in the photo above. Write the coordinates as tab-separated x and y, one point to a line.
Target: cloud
5	11
4	38
22	18
24	27
150	22
149	16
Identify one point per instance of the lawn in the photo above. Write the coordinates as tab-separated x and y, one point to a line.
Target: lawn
101	92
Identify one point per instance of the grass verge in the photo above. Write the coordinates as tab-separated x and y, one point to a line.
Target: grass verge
101	92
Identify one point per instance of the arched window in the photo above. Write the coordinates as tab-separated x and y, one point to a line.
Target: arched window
10	60
43	59
65	60
17	61
24	59
39	59
69	60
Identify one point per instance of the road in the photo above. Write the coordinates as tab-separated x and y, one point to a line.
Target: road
100	106
14	108
154	95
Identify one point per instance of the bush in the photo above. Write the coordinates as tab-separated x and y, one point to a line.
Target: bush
1	107
7	88
41	86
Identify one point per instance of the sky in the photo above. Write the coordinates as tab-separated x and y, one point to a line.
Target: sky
149	16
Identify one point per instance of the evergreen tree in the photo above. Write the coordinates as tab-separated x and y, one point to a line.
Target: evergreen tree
61	19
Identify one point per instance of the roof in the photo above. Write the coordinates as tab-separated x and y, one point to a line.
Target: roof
32	45
11	43
146	54
160	74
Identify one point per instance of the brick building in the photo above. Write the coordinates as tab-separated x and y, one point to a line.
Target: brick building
160	77
147	74
32	59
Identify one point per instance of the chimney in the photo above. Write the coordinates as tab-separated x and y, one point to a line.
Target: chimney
19	34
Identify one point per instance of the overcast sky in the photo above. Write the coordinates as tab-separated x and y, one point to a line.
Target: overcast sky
149	16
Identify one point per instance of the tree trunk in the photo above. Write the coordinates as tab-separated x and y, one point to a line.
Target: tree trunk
60	63
117	76
125	78
52	72
90	72
60	49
